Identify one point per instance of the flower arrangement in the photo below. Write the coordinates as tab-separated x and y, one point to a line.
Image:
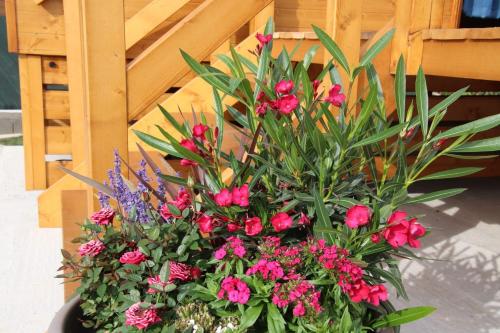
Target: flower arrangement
304	233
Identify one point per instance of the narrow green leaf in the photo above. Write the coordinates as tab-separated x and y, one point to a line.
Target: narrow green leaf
323	222
479	146
250	316
308	57
447	101
453	173
376	48
404	316
400	89
422	101
183	152
472	127
379	136
89	181
157	143
435	195
332	47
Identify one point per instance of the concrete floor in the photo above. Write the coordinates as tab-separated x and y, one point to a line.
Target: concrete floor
464	284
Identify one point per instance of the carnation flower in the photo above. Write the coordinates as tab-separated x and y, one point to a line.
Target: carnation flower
224	198
235	290
132	257
281	221
253	226
141	318
269	270
179	271
104	216
357	216
335	97
92	248
234	246
284	87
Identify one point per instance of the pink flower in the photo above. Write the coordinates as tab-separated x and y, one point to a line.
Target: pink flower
220	253
304	220
270	270
376	294
286	104
185	162
141	318
92	248
240	196
284	87
335	97
264	39
253	226
315	85
132	257
104	216
235	290
232	227
261	109
199	131
359	291
400	231
205	223
357	216
375	238
281	221
189	145
224	198
156	281
299	310
179	271
397	217
182	201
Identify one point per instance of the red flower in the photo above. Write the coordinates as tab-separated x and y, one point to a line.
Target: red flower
375	238
376	294
400	231
335	97
195	273
283	87
264	39
185	162
439	144
224	198
104	216
182	201
240	196
286	104
304	219
199	131
253	226
179	271
281	221
261	109
132	257
315	85
190	145
205	223
357	215
232	227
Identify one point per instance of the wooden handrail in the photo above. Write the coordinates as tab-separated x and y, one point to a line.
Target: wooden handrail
202	31
149	18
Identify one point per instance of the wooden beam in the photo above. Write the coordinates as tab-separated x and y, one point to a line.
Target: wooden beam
149	18
402	19
74	211
343	24
153	72
30	79
38	2
261	18
466	33
95	32
11	22
453	14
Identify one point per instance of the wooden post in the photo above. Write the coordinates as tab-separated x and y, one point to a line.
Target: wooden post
11	22
343	24
95	37
261	18
30	78
74	211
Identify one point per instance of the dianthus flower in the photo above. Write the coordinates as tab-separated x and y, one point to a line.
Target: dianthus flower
235	290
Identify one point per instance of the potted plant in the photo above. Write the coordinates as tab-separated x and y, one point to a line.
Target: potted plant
304	233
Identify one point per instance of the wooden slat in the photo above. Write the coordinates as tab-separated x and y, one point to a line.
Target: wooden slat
58	140
56	105
149	18
451	13
437	10
30	78
54	70
466	33
11	22
54	172
402	22
421	15
262	17
152	73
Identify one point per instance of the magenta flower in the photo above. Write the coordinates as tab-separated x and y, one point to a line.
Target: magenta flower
205	223
335	97
199	131
400	231
261	109
281	221
377	293
299	310
264	39
141	318
155	280
92	248
357	216
286	104
235	290
104	216
132	257
253	226
240	196
224	198
283	87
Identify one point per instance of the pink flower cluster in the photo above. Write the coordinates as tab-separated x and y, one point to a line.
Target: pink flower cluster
182	201
285	103
301	294
287	256
141	318
235	290
233	246
92	248
104	216
198	131
400	230
269	270
238	196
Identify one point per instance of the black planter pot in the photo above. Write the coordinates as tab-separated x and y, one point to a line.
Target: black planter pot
66	319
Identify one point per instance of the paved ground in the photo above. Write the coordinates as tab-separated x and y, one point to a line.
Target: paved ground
464	285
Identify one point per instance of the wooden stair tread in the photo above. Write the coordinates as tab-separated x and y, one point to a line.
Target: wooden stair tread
461	34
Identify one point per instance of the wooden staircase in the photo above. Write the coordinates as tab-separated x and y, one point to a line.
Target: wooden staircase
85	90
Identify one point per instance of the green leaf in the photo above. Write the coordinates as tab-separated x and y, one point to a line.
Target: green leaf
165	271
89	181
453	173
379	136
435	195
479	146
171	120
308	57
332	47
376	48
238	116
168	329
422	101
250	316
346	321
472	127
183	152
275	321
157	143
403	316
400	90
323	223
447	101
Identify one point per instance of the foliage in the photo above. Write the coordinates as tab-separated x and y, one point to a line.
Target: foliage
304	233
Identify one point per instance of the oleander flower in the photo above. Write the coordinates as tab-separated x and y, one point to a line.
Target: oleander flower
132	257
92	248
141	318
240	195
224	198
357	216
104	216
199	131
281	222
253	226
205	223
264	39
335	97
286	104
283	87
400	231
